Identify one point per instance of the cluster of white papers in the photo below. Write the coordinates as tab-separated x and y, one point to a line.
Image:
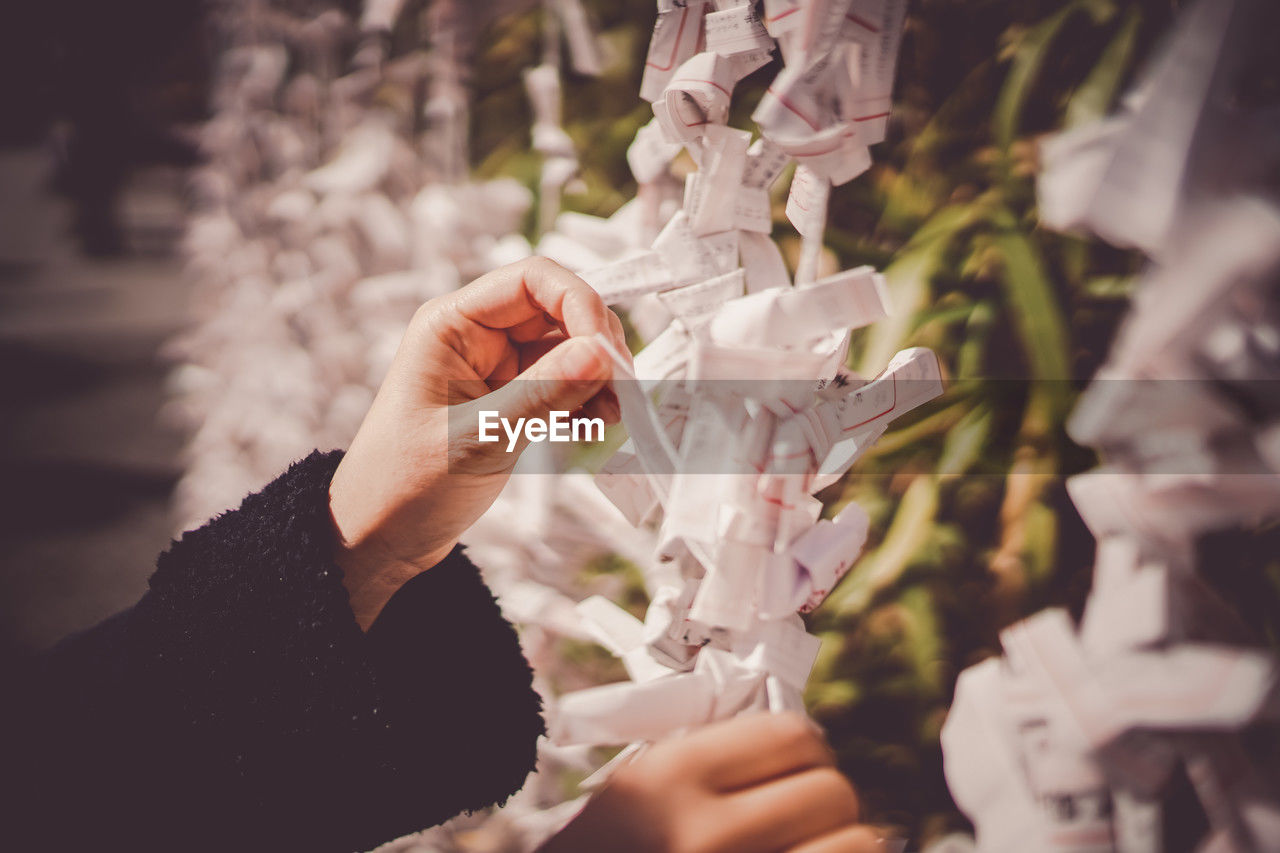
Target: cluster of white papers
1074	738
322	220
740	407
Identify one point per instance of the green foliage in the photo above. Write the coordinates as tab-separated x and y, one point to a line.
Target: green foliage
980	532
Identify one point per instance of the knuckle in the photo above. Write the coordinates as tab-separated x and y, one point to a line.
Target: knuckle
579	293
539	265
423	318
539	394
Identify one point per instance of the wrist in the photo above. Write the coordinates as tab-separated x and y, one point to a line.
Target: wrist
371	572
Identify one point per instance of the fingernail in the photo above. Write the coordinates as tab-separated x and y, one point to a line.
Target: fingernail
584	359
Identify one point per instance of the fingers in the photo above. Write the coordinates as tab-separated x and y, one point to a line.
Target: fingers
507	368
564	379
789	796
533	329
851	839
534	350
619	336
468	332
781	813
524	291
754	748
603	405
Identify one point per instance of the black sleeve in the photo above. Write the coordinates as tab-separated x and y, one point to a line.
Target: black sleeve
238	706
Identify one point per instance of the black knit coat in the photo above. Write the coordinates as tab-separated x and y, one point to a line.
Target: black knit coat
239	707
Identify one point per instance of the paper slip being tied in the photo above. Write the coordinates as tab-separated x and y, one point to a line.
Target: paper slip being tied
732	409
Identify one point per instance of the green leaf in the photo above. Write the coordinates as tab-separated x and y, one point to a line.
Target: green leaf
1093	98
1028	57
1075	254
922	637
925	183
908	280
1041	541
1031	299
826	666
1038	318
1109	286
825	698
965	441
914	435
976	333
906	535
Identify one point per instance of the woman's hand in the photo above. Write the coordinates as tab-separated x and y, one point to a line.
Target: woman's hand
754	784
416	475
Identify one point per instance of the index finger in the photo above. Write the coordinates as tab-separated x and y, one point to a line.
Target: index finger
522	291
755	748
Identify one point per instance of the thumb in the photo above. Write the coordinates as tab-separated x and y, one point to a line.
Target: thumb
564	379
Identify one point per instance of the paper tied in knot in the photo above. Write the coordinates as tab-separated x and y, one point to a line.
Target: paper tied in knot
696	97
764	667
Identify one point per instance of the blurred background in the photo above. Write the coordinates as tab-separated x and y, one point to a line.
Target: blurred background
100	108
163	230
